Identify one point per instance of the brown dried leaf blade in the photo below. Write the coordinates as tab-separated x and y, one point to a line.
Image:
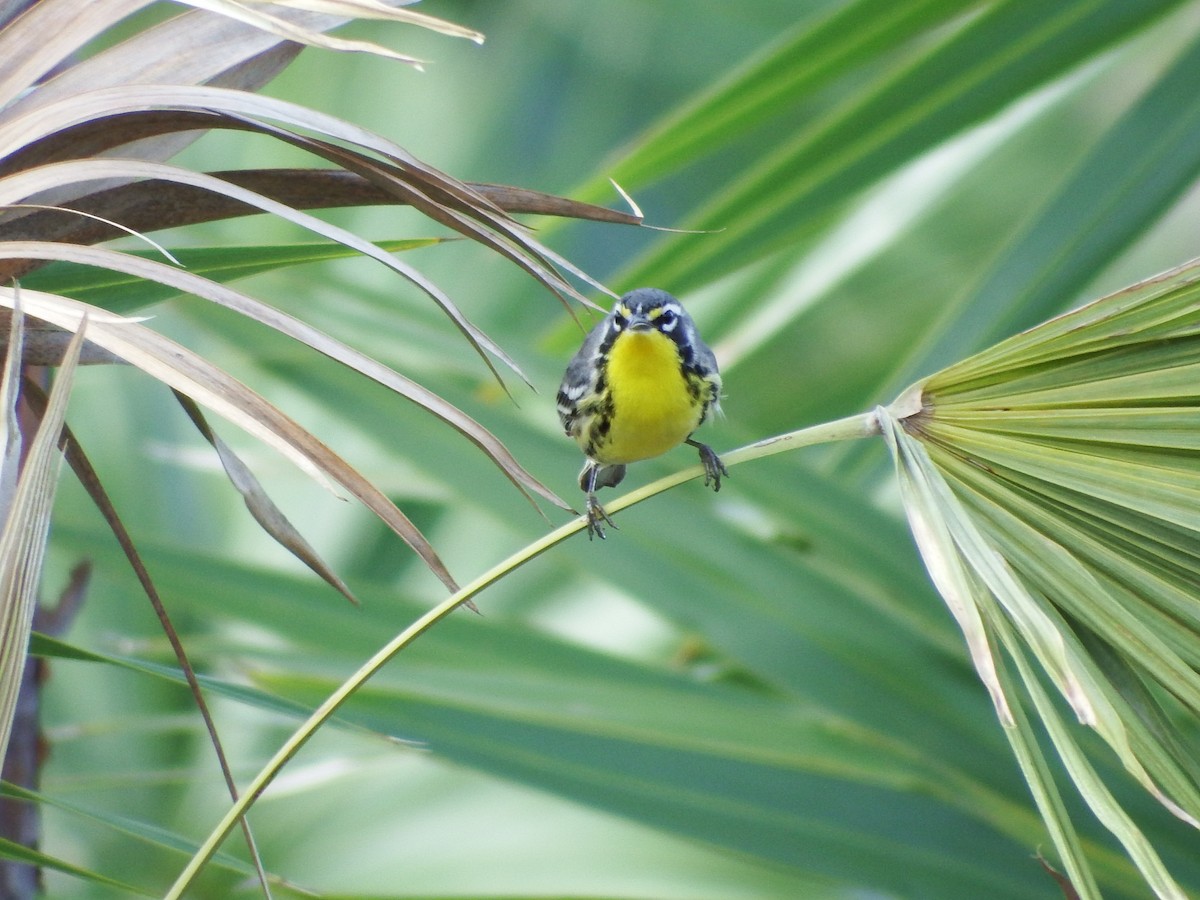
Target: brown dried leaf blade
261	506
178	367
88	477
26	526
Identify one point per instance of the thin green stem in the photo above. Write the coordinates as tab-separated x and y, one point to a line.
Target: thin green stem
863	425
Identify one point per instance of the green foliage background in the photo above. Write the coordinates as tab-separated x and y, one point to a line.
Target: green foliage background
754	694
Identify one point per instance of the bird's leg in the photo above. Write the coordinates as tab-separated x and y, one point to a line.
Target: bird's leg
713	467
595	515
595	512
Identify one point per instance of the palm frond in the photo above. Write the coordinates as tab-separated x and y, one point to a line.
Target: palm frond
289	29
1053	492
145	98
26	514
965	62
192	375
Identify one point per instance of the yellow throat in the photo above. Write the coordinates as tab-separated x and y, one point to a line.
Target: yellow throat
654	408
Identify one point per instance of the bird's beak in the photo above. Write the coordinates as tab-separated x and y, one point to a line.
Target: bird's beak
639	323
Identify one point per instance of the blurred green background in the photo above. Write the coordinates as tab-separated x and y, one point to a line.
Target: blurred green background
753	694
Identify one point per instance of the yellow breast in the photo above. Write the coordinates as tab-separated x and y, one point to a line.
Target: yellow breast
653	407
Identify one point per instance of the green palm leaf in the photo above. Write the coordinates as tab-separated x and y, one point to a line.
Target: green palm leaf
765	676
1054	493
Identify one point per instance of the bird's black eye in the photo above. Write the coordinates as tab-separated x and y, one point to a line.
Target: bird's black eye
667	320
620	320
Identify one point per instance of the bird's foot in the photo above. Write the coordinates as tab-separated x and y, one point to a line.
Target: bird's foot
713	467
596	518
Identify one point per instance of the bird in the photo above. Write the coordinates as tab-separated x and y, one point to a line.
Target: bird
640	385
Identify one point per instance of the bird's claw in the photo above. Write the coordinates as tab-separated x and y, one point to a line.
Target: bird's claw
713	467
596	518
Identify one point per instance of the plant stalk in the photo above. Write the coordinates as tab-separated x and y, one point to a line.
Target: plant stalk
858	426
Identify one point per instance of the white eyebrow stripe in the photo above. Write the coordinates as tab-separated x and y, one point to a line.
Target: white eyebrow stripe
672	309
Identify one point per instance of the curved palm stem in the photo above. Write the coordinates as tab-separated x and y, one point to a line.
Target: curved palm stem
862	425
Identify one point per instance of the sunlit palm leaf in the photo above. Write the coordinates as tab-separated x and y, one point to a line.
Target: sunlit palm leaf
36	42
1063	462
188	48
252	14
291	32
1135	172
963	63
808	59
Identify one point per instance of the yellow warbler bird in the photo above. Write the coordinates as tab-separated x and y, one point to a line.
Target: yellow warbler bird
642	383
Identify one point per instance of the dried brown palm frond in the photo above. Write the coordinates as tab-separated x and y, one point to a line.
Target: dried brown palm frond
89	141
86	139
